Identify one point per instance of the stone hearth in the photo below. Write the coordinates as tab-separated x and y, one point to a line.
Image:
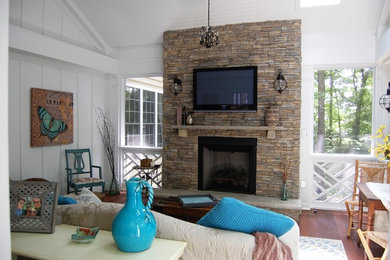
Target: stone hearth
270	46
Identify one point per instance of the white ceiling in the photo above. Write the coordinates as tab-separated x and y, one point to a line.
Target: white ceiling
125	23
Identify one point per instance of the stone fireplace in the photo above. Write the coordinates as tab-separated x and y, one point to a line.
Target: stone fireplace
227	164
271	46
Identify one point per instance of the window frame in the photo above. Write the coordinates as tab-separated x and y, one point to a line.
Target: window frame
142	87
373	107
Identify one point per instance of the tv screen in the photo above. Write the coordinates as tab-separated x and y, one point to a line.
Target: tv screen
225	89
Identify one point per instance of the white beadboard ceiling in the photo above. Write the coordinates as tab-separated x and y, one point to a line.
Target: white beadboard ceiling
125	23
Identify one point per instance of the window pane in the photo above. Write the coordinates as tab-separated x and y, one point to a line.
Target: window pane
159	119
149	117
343	110
132	125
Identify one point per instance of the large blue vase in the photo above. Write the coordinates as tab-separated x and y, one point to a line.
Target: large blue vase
134	228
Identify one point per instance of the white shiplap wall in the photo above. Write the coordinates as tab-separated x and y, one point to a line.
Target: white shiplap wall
89	90
53	19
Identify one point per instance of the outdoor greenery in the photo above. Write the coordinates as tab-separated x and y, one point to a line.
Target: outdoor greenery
382	148
343	111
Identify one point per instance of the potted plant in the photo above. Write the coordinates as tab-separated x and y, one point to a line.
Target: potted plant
382	149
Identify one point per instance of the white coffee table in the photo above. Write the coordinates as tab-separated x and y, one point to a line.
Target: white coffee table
59	245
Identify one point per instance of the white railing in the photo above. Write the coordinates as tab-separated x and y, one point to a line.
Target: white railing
333	177
131	157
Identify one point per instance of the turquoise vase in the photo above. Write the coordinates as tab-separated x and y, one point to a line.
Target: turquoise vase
134	227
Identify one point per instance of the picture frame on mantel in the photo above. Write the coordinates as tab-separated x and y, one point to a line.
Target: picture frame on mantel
51	117
32	206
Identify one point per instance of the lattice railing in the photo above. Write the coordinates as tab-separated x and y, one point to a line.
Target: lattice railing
332	181
133	157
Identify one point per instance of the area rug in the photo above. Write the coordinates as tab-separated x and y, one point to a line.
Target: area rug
321	248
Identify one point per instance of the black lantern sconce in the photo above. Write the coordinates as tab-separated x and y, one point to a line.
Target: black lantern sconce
384	101
280	83
176	86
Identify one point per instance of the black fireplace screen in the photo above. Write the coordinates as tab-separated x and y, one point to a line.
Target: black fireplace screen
227	164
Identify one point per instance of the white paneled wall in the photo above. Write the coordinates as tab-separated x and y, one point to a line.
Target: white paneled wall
89	90
53	19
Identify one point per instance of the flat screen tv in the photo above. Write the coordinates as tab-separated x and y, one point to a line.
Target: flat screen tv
225	89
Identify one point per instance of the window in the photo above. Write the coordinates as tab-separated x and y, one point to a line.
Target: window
143	113
343	111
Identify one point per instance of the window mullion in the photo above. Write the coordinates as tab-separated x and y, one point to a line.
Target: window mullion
155	118
141	114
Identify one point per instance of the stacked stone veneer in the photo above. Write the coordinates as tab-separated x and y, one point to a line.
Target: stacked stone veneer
270	46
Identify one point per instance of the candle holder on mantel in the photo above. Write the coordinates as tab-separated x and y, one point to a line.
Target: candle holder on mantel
272	115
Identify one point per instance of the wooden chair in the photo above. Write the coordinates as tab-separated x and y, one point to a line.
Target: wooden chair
78	165
364	172
378	237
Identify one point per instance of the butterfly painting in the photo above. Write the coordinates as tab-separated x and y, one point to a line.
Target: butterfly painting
51	117
50	126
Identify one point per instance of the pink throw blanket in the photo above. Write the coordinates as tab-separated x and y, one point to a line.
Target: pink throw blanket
268	247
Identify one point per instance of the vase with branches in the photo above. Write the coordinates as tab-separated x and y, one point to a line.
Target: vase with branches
285	165
107	136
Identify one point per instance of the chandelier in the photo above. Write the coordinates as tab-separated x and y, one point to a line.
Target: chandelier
208	37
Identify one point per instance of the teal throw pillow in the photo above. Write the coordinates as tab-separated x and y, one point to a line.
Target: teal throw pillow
66	200
233	214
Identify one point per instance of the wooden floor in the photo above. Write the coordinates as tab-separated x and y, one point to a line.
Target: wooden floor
314	223
332	225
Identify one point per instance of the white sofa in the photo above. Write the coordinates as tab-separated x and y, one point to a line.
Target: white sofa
202	242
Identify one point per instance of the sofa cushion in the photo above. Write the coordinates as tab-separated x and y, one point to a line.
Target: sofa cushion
84	196
233	214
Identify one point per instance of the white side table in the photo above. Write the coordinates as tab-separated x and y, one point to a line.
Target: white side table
58	246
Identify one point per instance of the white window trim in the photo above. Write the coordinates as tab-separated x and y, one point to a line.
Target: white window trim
307	156
142	87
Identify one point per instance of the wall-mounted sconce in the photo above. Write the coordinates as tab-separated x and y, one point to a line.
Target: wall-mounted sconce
280	83
176	86
384	101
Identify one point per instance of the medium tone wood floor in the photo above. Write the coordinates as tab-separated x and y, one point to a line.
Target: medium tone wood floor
332	225
314	223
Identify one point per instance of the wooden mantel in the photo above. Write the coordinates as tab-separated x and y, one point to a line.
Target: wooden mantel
183	129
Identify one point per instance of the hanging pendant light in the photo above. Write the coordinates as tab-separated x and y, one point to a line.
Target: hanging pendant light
208	37
384	101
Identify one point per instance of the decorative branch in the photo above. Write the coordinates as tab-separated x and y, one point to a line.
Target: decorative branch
286	166
107	136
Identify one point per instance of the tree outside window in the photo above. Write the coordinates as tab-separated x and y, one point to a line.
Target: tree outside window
343	111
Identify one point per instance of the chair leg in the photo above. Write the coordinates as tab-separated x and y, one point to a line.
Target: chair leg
350	224
367	249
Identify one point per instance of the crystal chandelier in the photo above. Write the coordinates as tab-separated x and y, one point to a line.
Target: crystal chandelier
208	37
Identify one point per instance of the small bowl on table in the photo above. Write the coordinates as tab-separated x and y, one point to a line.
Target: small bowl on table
85	235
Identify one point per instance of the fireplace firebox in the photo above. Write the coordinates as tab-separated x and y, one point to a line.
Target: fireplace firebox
227	164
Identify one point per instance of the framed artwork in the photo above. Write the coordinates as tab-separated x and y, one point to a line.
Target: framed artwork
51	117
32	206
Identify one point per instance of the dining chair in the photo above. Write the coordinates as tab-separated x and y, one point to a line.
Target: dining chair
364	172
379	237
